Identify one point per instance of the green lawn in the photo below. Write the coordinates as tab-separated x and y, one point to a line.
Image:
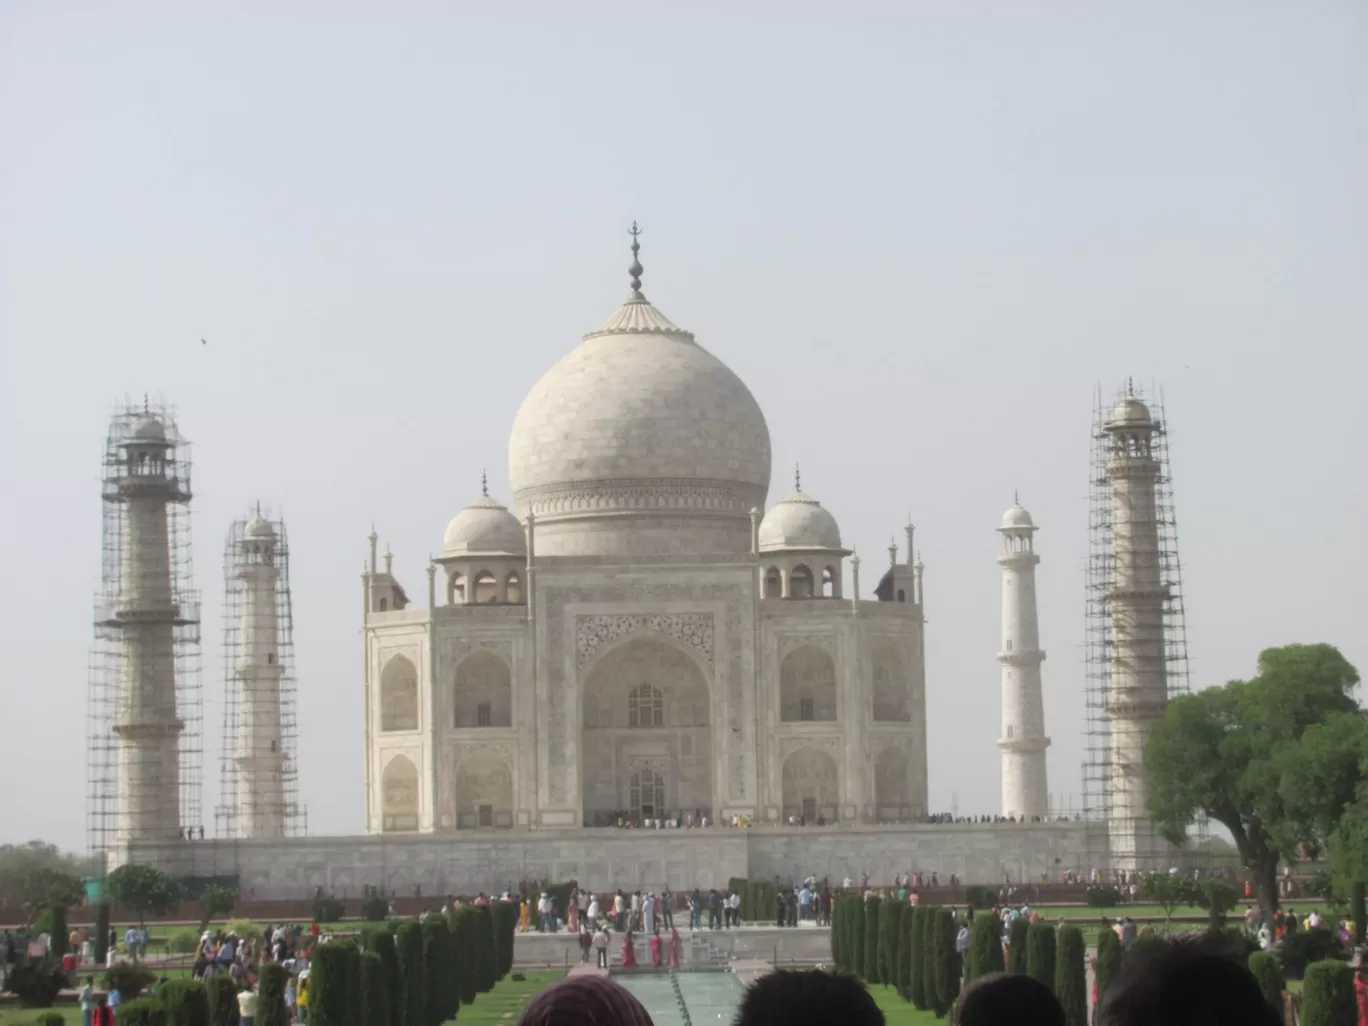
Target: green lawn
503	1004
898	1012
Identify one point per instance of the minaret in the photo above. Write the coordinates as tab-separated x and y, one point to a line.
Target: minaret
1023	742
1137	695
260	755
142	483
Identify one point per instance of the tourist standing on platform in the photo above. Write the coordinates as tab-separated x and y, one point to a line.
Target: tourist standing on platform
592	918
585	942
734	902
601	946
804	904
676	948
636	911
648	916
666	910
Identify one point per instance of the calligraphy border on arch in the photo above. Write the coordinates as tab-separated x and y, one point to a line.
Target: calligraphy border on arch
595	631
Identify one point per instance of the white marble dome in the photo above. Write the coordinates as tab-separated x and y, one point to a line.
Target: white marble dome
259	527
1016	516
484	528
799	522
639	432
146	428
1130	412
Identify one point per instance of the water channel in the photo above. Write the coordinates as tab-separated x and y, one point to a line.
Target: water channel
711	998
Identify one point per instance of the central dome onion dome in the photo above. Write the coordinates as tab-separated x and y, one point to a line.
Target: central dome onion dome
485	528
639	442
799	522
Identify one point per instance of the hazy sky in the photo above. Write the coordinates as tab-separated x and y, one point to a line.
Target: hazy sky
922	233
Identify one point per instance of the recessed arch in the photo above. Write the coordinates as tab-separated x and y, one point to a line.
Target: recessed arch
892	788
645	704
398	695
800	582
807	686
774	583
484	792
513	586
892	692
399	795
812	784
483	693
485	589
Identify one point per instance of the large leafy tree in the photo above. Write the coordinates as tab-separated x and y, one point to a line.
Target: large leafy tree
36	875
142	889
1222	752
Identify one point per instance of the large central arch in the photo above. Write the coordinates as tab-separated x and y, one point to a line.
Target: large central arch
484	793
645	710
812	785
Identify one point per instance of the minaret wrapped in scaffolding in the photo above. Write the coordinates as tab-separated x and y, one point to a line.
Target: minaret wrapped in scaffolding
144	702
258	773
1137	642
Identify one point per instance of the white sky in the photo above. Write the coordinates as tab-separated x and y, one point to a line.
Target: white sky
920	232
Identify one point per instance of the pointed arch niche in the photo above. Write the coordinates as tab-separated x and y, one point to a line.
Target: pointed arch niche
398	695
399	796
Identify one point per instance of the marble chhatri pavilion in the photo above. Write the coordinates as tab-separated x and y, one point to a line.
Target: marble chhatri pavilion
640	636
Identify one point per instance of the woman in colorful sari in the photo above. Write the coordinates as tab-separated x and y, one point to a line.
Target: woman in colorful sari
628	951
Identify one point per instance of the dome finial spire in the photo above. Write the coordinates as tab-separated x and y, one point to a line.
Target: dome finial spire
636	269
1016	497
484	483
797	478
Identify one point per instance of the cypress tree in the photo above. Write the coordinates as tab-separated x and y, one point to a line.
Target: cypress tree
1040	953
335	985
904	981
1016	940
888	941
857	935
57	930
1111	957
438	991
835	934
1328	995
1266	970
484	941
101	939
143	1011
408	940
187	1003
271	1010
1071	976
464	934
916	959
505	927
871	939
222	994
930	970
947	961
375	1002
981	941
382	944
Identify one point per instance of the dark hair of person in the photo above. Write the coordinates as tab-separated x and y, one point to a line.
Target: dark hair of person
1000	999
1187	983
807	997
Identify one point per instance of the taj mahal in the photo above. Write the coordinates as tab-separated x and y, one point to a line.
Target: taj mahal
640	671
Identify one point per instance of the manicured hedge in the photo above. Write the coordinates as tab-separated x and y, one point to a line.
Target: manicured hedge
186	1003
855	935
271	1009
930	970
505	927
441	993
1111	957
382	944
1071	976
50	1018
837	956
465	938
335	985
947	961
1271	983
984	942
100	942
1040	953
916	959
142	1012
1328	995
223	1007
484	938
408	940
888	942
902	974
871	938
375	1003
57	927
1016	941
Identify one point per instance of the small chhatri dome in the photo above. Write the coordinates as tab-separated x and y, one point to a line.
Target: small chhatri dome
799	522
145	428
259	526
1130	412
1017	517
484	528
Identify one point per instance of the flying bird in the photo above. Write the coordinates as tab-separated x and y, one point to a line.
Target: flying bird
204	342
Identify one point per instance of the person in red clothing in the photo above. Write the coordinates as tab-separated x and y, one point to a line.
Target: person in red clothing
656	950
1361	996
628	951
676	948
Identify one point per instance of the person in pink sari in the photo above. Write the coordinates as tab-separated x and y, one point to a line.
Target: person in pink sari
628	951
572	914
676	948
656	949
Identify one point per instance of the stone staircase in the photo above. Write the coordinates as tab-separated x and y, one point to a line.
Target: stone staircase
703	953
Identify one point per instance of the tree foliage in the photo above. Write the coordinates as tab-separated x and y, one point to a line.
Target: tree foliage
985	936
1169	892
187	1003
222	994
888	941
142	889
37	874
505	926
375	1003
1110	961
441	995
36	982
1071	976
146	1011
408	940
1328	995
484	949
1017	942
271	1007
930	969
1222	752
855	935
1265	969
945	930
335	985
916	958
1218	898
216	902
903	976
870	963
1040	953
381	943
465	960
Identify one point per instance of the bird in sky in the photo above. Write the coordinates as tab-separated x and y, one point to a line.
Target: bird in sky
204	342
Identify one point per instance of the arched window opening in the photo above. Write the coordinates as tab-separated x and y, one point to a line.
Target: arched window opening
902	595
456	589
384	605
774	583
807	686
399	795
513	585
647	796
645	707
800	582
399	695
486	588
483	695
829	583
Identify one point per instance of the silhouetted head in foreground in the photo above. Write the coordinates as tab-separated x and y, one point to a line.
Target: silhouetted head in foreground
1000	999
807	998
585	1001
1187	983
